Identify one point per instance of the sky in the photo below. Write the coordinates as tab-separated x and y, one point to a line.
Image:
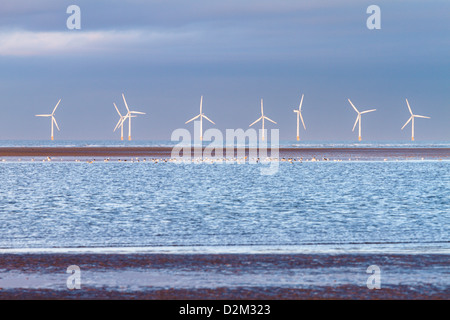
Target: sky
165	54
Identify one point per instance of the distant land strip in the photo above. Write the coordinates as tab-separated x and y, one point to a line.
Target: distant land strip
294	153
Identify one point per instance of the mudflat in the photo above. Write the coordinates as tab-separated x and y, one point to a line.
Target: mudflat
295	153
223	276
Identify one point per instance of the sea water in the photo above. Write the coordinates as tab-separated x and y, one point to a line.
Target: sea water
365	206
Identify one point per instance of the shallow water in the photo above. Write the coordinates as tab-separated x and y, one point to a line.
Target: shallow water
344	206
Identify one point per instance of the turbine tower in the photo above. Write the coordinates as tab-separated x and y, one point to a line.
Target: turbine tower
262	118
129	115
299	116
412	119
358	118
201	115
52	115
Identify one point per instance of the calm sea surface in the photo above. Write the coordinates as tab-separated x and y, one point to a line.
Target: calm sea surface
317	206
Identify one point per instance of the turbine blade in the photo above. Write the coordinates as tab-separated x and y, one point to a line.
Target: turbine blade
126	105
119	123
367	111
262	108
208	119
302	120
137	112
407	122
357	119
421	116
353	106
43	115
301	102
54	120
269	119
409	108
201	104
56	107
193	119
255	121
117	109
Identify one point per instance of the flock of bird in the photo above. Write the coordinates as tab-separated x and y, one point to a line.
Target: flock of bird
132	114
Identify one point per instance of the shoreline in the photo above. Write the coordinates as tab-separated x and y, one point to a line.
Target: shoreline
290	153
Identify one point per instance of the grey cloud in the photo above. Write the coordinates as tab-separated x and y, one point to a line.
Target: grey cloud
165	54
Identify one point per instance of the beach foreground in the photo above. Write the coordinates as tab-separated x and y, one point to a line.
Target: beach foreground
224	276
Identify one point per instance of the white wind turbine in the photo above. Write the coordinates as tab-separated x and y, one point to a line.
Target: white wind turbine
358	118
201	115
53	117
129	115
299	116
262	118
121	121
412	118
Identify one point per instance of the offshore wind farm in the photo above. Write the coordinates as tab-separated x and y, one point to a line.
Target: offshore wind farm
133	114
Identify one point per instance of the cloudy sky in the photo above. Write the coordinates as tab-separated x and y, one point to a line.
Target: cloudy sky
165	54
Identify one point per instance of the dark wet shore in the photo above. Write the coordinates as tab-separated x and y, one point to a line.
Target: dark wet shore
246	293
296	153
224	276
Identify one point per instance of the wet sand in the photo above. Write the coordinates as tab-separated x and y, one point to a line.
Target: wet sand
295	153
224	276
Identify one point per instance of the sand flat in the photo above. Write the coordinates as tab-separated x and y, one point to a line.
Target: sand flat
297	153
224	276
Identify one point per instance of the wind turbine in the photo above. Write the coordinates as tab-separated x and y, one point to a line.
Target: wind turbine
201	115
299	116
412	118
262	118
53	117
129	115
121	121
358	118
